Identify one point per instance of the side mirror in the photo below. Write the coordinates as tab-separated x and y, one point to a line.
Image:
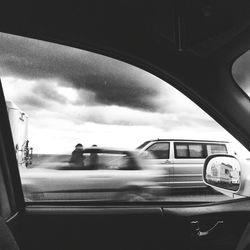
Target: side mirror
222	171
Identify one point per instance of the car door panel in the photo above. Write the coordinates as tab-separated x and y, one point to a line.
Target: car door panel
188	172
133	226
226	235
165	166
81	227
162	153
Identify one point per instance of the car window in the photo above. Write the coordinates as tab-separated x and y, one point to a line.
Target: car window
189	150
181	151
196	151
159	150
74	113
216	149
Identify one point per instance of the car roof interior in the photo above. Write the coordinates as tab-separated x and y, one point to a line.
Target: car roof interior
190	44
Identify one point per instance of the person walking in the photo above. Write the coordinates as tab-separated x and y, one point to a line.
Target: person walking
77	157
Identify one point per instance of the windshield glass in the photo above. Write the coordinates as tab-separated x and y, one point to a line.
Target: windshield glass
77	118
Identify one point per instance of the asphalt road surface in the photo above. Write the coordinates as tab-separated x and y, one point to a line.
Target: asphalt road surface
195	195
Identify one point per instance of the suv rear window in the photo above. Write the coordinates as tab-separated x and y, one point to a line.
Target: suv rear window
216	149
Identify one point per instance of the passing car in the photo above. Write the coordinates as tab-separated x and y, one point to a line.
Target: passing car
183	160
105	175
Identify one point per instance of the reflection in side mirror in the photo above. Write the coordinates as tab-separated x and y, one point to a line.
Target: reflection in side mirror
222	171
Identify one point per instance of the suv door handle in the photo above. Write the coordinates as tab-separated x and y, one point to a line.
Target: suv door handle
166	162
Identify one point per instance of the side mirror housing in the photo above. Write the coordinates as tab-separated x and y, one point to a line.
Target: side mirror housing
223	173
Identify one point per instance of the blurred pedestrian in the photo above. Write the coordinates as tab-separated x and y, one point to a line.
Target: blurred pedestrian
77	158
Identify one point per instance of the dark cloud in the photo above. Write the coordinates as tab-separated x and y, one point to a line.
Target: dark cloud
30	102
113	82
128	117
49	93
108	91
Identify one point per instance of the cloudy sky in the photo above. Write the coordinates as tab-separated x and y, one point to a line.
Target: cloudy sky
75	96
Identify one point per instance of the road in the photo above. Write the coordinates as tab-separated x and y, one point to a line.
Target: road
194	195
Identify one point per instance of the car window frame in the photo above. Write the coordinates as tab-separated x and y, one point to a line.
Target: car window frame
13	194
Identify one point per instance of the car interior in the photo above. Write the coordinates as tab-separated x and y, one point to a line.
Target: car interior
190	44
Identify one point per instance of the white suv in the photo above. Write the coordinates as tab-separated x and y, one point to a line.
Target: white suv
183	159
